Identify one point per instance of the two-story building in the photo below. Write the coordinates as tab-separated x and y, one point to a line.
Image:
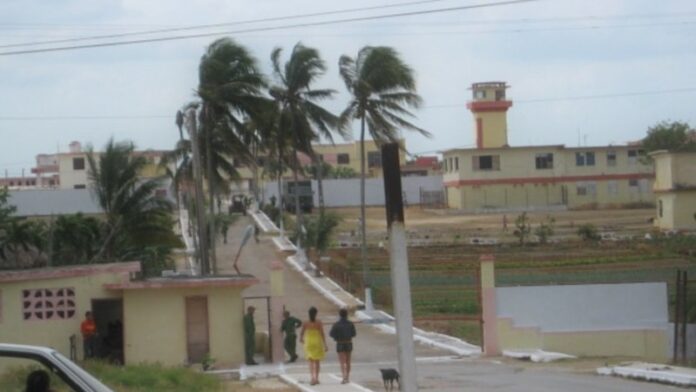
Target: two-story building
496	176
675	190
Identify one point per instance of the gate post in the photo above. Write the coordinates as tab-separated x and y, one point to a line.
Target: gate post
276	312
488	307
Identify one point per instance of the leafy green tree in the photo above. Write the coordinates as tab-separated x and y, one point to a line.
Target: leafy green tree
135	217
18	237
382	88
673	136
319	230
301	118
74	239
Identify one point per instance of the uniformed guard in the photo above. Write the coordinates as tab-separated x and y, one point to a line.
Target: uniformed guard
249	336
289	328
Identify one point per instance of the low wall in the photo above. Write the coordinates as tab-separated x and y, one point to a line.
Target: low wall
586	320
346	192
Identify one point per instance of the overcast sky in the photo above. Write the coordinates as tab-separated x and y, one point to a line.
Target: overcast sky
547	51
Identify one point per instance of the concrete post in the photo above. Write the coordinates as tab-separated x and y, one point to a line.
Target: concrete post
398	260
277	284
489	317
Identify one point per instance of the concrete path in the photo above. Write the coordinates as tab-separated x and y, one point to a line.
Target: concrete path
438	370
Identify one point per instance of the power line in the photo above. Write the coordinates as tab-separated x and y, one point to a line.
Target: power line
576	98
443	106
215	25
308	24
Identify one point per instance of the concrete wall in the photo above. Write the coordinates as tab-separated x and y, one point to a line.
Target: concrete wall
588	320
346	192
54	333
155	325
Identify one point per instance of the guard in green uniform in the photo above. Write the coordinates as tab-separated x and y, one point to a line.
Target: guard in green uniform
289	327
249	336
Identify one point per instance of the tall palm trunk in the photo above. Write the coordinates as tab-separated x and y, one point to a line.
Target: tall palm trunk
320	183
363	226
211	195
298	210
280	192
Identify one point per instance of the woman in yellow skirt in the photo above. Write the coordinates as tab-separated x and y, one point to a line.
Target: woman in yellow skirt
312	337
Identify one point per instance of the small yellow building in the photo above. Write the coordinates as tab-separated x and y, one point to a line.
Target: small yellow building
496	176
174	321
675	190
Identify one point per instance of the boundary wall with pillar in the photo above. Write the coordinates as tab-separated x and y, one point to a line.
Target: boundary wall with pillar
627	319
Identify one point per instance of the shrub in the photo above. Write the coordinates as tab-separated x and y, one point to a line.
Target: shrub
523	228
588	232
545	229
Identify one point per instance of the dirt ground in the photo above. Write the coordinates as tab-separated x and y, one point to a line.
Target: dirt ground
449	222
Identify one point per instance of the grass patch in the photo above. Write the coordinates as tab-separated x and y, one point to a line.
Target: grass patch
132	378
152	377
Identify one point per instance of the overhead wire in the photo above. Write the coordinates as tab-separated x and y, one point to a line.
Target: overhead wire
283	27
226	24
442	106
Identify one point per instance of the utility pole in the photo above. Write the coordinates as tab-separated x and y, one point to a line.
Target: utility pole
211	190
198	194
398	261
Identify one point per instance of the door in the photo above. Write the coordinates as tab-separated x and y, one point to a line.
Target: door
108	316
197	344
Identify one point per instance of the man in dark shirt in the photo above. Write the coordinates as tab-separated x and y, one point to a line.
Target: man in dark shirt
289	327
343	332
249	336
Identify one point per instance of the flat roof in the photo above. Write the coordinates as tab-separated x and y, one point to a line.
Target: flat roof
554	146
176	282
45	202
68	271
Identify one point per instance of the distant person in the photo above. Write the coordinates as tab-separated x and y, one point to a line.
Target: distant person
289	328
343	332
89	336
312	336
256	233
249	336
38	381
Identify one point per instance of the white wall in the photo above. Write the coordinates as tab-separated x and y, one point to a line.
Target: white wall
346	192
597	307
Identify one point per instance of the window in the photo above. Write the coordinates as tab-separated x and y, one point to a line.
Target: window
343	159
612	188
611	158
78	163
48	304
444	165
586	188
633	183
659	213
499	95
79	186
456	163
486	162
479	94
374	159
585	158
634	156
544	161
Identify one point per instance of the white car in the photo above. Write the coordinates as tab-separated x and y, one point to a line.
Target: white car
53	362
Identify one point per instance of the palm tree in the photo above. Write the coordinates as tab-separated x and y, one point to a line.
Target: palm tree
134	216
230	86
383	88
301	119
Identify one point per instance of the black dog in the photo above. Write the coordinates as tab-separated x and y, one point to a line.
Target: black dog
388	377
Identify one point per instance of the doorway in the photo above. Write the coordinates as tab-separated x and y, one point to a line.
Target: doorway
197	342
108	316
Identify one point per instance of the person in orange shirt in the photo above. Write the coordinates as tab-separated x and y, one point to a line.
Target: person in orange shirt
89	335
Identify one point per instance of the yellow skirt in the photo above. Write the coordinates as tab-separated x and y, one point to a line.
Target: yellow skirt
313	347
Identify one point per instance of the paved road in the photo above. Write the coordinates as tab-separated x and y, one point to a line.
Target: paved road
437	370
